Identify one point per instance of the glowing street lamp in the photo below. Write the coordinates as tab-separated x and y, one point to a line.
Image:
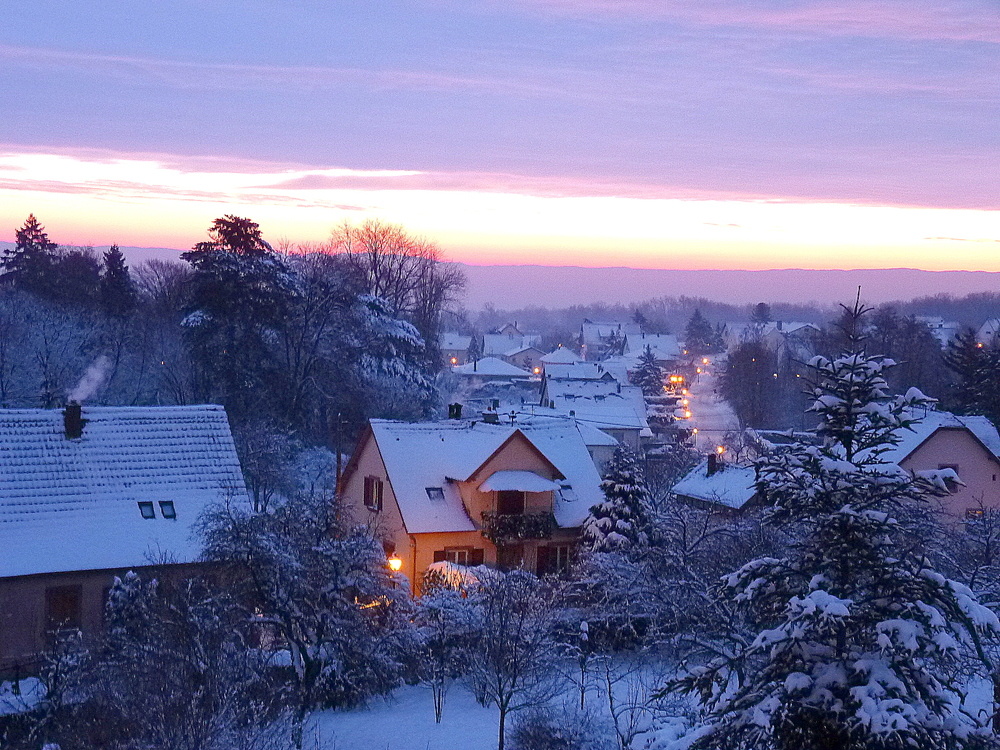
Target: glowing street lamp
395	563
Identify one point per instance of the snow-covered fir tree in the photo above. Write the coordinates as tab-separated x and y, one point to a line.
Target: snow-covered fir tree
621	522
857	636
648	375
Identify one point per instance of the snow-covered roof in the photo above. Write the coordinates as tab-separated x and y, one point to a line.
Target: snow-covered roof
578	371
429	454
988	331
561	356
498	343
912	439
454	342
513	479
70	505
732	485
490	367
520	349
663	345
595	331
603	403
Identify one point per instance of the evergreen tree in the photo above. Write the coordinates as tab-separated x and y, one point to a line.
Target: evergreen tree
978	368
239	296
29	264
857	636
699	335
761	314
475	352
621	522
118	293
75	277
648	375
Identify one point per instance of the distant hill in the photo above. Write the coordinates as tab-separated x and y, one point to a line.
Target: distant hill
133	255
509	287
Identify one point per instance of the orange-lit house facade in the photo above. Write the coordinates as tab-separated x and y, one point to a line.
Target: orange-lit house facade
470	492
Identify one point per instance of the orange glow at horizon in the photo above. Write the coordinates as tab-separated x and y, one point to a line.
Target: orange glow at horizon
142	202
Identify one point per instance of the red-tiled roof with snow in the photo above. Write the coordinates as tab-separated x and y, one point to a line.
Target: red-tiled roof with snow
73	504
425	455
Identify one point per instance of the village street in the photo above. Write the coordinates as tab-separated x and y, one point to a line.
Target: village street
711	415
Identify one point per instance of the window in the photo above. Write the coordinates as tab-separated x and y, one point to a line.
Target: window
560	557
460	555
553	559
146	508
510	502
373	493
167	509
435	493
457	556
63	607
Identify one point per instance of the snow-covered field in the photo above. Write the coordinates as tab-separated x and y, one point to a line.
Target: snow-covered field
406	721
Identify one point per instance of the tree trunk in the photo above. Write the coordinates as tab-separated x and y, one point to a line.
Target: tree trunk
503	721
996	703
438	692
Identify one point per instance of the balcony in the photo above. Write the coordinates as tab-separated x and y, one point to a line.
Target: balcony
504	528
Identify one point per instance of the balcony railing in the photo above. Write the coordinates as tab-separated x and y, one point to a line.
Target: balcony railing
501	528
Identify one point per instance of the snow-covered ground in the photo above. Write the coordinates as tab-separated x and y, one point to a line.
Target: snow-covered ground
710	413
406	720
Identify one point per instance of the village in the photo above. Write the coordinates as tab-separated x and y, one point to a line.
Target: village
535	528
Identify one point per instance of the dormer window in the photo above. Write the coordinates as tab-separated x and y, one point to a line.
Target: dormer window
434	493
146	509
167	509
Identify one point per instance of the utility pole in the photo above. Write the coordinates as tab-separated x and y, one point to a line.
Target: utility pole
337	428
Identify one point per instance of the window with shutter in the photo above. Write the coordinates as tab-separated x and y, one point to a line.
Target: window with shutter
373	493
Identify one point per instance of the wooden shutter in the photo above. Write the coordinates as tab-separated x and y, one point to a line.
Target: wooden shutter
476	556
439	555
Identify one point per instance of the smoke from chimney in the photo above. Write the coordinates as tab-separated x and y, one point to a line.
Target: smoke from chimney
92	380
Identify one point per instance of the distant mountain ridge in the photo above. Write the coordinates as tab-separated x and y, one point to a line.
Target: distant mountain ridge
514	286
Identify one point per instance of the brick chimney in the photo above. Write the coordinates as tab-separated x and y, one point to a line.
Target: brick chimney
73	420
713	464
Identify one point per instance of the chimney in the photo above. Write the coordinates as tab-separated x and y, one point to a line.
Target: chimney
454	411
713	464
491	417
73	420
780	325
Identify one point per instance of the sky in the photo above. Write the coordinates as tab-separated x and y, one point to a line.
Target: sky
646	133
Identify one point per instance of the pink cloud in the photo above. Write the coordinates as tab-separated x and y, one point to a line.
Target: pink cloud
954	21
